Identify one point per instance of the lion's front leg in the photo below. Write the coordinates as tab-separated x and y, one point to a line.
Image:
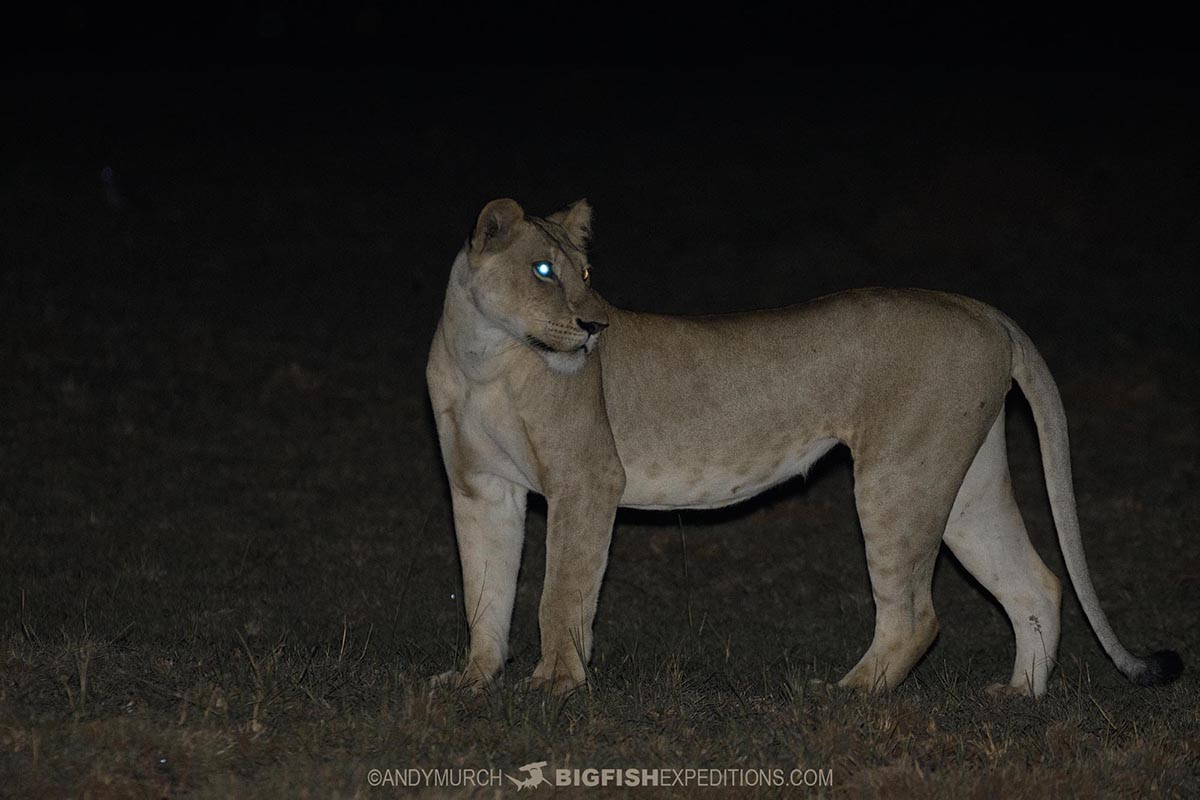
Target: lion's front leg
489	522
578	534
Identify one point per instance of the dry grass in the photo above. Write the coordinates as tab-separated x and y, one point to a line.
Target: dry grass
281	720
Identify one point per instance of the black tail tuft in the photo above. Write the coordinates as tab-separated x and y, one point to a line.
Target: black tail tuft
1159	668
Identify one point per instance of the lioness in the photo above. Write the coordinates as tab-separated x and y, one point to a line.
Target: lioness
538	385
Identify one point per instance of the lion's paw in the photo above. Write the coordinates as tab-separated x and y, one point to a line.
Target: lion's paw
557	681
468	680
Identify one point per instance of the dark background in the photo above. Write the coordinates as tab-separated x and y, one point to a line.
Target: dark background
224	236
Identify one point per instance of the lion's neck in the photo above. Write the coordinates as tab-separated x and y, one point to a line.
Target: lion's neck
476	346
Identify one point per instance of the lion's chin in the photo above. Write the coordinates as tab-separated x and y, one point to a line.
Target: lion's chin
565	363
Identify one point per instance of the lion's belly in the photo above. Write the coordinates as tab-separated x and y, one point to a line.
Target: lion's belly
650	483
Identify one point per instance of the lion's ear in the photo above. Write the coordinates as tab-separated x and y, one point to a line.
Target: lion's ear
495	225
576	219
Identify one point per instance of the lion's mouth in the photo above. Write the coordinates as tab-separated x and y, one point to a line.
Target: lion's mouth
539	345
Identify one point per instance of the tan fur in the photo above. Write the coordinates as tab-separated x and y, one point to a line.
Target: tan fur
681	412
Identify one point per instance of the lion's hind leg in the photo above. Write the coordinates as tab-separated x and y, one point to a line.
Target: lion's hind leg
902	538
905	623
987	535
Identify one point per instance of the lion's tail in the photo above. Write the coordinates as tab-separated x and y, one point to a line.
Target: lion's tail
1031	372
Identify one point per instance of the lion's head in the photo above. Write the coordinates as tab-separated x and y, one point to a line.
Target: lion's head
530	277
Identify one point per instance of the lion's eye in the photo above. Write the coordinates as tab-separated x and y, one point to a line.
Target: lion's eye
544	270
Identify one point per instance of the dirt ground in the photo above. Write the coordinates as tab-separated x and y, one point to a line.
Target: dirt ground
228	565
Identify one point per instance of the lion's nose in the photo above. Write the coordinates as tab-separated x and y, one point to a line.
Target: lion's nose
592	328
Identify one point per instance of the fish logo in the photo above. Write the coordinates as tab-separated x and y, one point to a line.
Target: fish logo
536	777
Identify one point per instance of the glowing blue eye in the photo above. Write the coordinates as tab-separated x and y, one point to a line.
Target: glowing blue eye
543	269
